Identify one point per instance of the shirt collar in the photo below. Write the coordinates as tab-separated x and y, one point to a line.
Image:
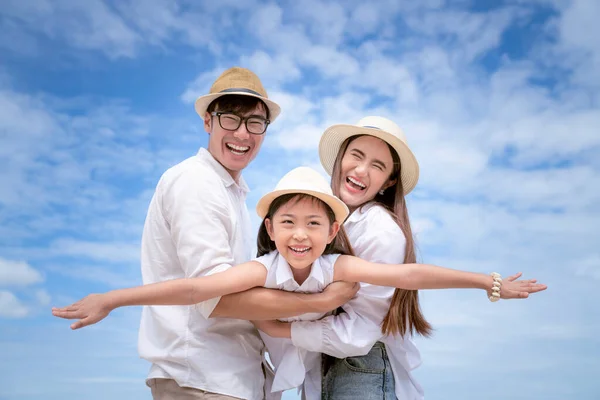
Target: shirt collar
284	271
205	155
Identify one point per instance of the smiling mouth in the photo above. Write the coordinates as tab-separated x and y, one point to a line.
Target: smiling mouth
237	150
355	184
300	251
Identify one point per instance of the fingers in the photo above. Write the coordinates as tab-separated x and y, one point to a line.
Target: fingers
523	291
538	287
514	277
67	313
80	324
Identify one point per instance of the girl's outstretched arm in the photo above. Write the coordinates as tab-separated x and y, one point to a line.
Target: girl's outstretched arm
185	291
424	276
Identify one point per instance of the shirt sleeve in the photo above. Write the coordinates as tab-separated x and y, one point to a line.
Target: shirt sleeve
195	206
354	332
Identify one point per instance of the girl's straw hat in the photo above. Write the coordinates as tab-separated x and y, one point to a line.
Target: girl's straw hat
239	81
381	128
307	181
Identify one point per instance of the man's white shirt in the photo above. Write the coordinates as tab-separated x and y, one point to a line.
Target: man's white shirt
197	225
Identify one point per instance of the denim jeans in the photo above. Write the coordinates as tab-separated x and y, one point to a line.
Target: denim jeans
367	377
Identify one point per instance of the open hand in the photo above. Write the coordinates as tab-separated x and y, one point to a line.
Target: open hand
89	310
514	289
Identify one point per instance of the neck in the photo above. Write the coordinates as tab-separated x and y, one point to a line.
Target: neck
234	174
300	275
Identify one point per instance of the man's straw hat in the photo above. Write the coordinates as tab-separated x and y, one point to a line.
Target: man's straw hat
239	81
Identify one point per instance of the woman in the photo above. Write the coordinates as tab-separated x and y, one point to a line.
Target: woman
368	350
371	169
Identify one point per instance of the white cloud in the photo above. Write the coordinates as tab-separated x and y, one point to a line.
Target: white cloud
578	29
589	267
273	70
509	166
43	297
101	251
18	273
105	274
201	85
11	306
90	26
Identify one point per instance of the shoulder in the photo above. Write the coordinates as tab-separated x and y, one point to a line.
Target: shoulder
193	182
192	171
374	219
268	261
327	263
329	260
375	236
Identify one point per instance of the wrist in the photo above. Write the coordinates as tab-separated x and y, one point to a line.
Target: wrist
110	300
485	282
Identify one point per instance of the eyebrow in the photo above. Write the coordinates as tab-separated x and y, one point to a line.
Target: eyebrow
362	154
308	216
243	115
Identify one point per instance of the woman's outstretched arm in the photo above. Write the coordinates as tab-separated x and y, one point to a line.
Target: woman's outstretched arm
424	276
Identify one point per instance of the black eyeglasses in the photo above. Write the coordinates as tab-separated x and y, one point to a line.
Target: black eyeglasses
231	122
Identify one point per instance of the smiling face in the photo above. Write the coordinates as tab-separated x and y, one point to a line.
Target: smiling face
234	150
365	169
301	229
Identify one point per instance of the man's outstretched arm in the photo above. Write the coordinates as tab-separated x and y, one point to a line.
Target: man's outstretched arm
267	304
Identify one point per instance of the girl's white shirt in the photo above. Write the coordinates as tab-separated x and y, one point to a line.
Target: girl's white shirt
375	237
293	363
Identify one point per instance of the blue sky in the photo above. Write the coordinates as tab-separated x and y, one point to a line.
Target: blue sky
500	102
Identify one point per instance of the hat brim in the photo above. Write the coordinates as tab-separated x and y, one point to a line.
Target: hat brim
334	136
339	208
203	102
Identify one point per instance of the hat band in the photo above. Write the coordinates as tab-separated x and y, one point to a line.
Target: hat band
372	127
244	90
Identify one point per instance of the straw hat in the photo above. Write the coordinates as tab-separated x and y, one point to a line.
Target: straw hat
240	81
381	128
308	181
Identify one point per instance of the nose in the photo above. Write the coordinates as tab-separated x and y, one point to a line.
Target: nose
299	234
361	169
241	132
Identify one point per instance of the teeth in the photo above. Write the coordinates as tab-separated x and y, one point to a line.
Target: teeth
357	183
238	148
300	249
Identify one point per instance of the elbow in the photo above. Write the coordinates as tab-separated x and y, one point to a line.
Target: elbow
412	277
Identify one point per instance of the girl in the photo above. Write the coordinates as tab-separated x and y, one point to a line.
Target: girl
302	248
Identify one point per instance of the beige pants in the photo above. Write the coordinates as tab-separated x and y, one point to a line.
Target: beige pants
168	389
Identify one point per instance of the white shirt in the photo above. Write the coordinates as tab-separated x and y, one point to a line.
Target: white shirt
292	363
375	237
198	224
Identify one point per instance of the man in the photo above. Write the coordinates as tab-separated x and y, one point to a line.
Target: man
198	224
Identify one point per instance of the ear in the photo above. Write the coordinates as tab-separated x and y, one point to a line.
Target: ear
207	122
269	227
333	231
389	183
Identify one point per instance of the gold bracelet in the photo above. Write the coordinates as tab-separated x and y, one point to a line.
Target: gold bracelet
496	285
